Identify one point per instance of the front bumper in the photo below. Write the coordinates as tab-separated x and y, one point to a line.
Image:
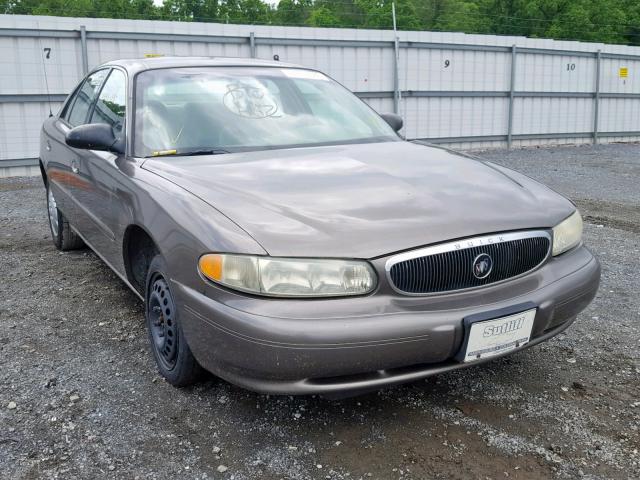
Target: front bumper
359	344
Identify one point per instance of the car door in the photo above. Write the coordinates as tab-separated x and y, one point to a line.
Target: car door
64	174
105	171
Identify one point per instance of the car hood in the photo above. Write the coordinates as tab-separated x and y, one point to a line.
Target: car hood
364	200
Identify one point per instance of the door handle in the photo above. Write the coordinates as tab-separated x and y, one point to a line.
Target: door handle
48	147
74	166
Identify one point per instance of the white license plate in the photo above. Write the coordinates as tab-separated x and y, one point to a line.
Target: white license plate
499	335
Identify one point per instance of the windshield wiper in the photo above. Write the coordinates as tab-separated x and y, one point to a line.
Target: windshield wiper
204	151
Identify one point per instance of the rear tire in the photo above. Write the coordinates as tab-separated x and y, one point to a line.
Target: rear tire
63	236
170	350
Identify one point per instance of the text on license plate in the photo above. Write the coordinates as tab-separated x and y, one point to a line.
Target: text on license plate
499	335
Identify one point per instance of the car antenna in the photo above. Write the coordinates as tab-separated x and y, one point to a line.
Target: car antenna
45	52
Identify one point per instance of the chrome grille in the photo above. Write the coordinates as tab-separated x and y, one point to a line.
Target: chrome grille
450	267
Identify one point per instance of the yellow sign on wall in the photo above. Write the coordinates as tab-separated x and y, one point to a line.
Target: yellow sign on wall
623	72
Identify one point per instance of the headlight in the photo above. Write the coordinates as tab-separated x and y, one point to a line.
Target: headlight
289	277
567	234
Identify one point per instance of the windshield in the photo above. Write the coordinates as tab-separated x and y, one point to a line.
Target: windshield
181	110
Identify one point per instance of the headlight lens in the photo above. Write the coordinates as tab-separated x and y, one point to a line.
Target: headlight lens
567	234
289	277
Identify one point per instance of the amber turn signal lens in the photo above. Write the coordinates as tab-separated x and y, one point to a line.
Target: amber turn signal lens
211	266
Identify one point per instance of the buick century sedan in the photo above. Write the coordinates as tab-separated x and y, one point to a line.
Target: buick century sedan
285	237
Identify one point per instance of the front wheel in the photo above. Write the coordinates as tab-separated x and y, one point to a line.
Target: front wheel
63	236
170	350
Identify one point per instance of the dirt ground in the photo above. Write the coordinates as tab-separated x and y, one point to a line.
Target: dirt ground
80	396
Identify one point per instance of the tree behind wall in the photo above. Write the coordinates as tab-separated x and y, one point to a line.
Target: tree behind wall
609	21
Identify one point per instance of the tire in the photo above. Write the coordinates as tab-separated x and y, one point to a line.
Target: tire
63	236
170	350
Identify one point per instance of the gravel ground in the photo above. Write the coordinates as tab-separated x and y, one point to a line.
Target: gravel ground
81	398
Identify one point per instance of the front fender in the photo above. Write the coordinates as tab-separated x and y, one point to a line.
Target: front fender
182	225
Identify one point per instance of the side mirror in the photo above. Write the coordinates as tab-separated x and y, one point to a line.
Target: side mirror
94	136
394	121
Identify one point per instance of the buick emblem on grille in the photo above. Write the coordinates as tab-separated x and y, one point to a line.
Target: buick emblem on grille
482	266
468	263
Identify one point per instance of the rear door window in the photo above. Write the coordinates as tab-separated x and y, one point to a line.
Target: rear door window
84	97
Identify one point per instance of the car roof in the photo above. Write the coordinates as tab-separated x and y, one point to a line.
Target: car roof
135	65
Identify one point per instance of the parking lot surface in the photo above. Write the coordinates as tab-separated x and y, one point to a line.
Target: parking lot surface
80	396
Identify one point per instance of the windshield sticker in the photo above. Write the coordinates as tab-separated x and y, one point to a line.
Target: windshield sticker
249	101
305	74
161	153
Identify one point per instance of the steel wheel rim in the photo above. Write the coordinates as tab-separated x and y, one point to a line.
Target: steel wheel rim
53	212
162	325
